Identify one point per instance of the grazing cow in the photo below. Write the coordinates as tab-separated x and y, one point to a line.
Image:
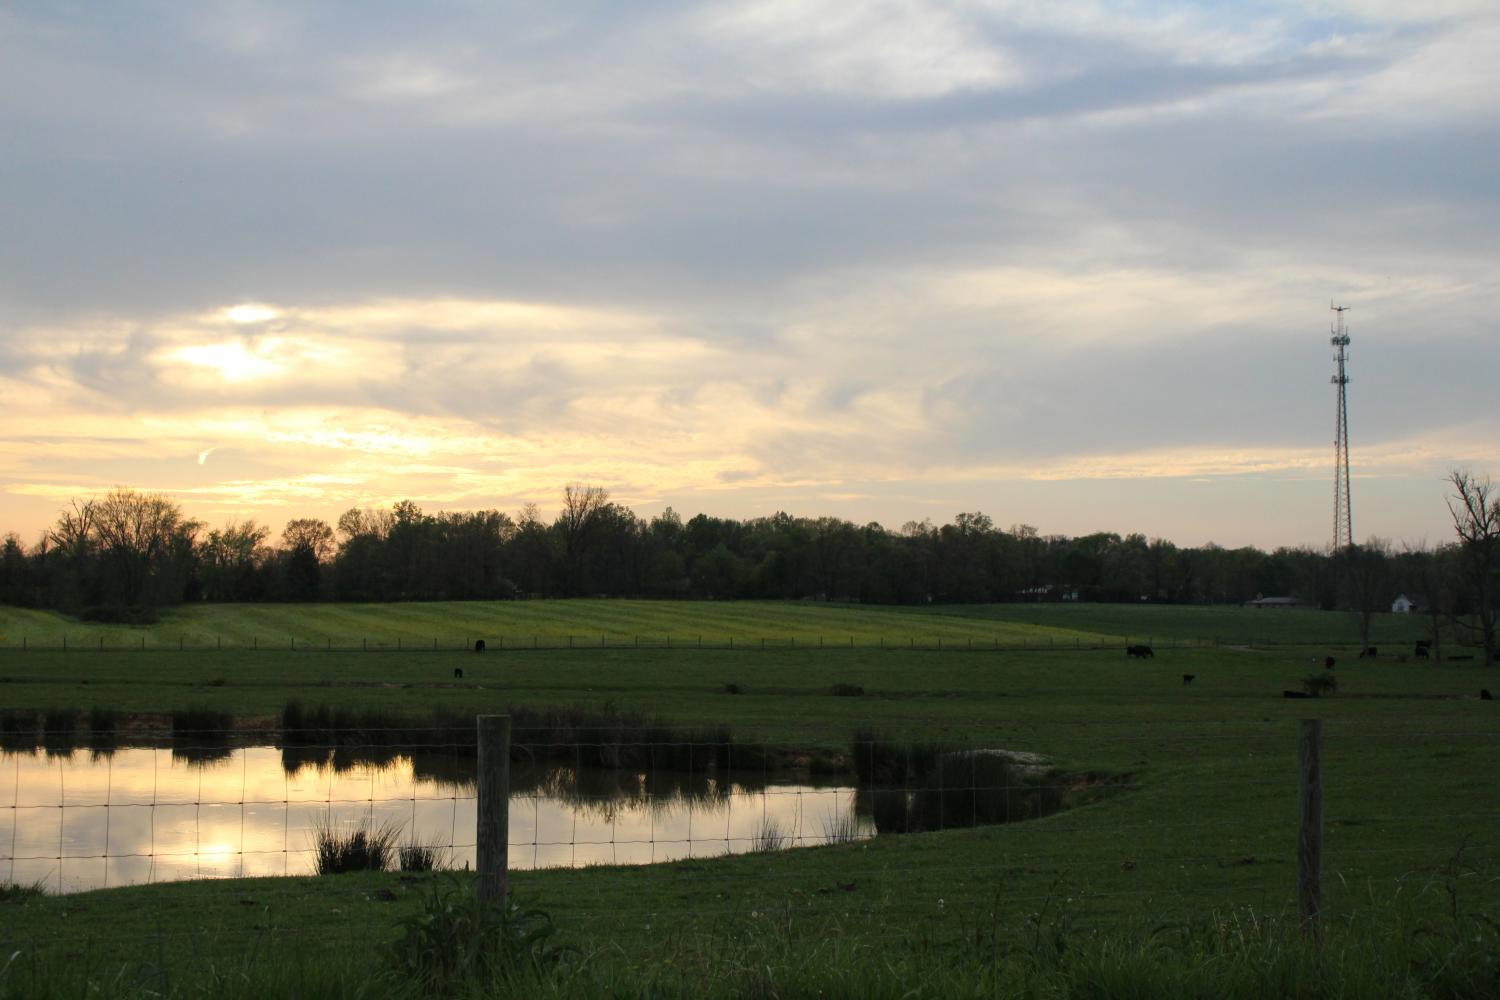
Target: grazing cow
1140	651
458	673
478	645
1188	678
1369	652
1295	694
1328	662
1484	695
1422	648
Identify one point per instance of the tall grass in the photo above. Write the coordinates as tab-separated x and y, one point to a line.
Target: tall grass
841	828
771	836
359	848
418	857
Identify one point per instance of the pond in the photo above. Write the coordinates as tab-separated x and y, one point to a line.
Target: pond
75	820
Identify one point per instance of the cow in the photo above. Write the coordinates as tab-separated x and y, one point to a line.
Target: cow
1328	662
1422	648
1139	651
1188	678
458	673
478	645
1295	694
1369	652
1484	695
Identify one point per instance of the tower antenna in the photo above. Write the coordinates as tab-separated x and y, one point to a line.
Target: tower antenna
1343	521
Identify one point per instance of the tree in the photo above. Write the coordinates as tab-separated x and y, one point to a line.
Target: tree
227	562
145	542
1367	572
306	543
309	532
1430	570
1475	507
582	512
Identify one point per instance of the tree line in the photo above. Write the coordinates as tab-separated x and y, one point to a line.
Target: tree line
121	556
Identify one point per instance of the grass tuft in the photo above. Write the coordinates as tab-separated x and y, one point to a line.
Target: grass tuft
418	857
361	848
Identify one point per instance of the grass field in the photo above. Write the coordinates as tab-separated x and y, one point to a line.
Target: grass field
1187	868
622	622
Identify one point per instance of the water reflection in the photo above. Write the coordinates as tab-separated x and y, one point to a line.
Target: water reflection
92	818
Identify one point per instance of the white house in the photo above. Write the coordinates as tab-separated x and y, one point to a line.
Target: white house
1405	604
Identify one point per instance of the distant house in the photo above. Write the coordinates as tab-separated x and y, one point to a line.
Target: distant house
1277	602
1405	604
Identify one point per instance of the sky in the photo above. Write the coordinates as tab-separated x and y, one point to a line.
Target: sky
1067	264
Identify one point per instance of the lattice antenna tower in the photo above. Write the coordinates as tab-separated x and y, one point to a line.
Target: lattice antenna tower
1343	523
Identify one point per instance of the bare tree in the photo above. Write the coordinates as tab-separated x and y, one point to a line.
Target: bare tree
310	533
582	511
1475	507
1431	571
138	534
1367	572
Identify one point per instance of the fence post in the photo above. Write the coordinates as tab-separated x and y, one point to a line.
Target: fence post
492	831
1310	826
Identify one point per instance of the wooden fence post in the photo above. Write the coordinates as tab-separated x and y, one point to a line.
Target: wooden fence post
1310	826
492	833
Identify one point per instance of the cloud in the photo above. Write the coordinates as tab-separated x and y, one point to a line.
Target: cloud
756	252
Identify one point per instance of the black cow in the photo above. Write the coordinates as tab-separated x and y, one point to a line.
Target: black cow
1328	662
1188	678
1369	652
1422	648
1484	695
478	645
1139	651
458	672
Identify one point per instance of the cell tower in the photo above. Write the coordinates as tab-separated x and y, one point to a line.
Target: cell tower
1343	521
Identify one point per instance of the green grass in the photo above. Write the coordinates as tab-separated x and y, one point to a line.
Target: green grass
624	622
1137	886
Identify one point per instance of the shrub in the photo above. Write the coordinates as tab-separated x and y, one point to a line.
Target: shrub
1320	684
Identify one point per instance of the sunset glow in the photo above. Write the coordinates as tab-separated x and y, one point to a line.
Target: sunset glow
1068	266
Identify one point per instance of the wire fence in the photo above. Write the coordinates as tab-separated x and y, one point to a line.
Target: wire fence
94	814
1059	843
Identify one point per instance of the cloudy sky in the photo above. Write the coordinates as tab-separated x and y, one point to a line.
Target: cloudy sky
1068	264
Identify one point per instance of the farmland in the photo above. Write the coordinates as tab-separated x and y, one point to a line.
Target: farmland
1186	823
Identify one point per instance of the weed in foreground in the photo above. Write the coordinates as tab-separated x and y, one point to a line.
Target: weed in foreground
456	938
17	892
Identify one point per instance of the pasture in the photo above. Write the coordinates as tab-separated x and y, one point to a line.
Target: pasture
1179	846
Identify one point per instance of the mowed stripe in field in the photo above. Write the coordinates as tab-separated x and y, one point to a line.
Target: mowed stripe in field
459	622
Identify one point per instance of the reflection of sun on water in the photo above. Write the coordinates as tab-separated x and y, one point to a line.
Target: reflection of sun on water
157	818
219	855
